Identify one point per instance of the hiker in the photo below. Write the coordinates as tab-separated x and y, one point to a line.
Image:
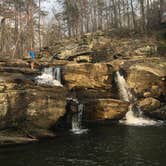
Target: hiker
32	55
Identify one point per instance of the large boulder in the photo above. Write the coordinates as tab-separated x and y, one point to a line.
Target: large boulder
149	104
105	109
87	75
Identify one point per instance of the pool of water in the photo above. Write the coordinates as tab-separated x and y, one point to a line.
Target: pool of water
108	145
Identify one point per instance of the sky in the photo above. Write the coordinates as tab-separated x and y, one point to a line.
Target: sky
48	5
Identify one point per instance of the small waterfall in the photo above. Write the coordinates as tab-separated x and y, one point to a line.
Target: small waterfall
124	90
126	95
57	73
77	117
50	76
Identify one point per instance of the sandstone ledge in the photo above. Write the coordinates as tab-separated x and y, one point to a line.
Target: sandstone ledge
104	109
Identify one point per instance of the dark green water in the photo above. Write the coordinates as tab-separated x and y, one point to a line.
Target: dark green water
113	145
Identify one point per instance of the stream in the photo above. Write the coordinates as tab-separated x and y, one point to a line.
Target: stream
107	145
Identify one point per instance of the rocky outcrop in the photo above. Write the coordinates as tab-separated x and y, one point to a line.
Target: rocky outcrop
107	46
105	109
87	75
89	81
29	107
148	82
34	109
148	77
92	85
46	106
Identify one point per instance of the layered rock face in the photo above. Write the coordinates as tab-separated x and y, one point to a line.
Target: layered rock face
143	79
89	81
86	75
99	109
27	106
34	109
92	85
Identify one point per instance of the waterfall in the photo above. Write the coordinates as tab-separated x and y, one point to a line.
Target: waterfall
77	117
50	76
57	74
126	95
124	90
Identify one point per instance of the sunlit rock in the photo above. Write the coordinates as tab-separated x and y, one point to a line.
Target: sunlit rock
86	75
102	109
149	104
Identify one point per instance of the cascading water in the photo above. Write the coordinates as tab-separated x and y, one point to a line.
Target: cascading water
50	76
58	74
77	119
126	95
124	90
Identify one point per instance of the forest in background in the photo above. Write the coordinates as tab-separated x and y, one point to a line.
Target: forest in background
23	22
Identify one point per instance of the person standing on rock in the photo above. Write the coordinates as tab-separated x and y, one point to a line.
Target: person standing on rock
32	56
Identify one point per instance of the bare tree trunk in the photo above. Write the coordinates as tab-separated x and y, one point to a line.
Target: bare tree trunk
119	13
147	15
115	14
39	25
128	15
143	15
133	14
3	23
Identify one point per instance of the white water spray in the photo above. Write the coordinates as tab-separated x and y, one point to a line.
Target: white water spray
133	120
126	95
50	76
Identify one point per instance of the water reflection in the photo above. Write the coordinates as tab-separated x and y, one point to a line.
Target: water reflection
115	145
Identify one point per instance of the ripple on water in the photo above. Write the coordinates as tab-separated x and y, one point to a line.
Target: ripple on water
112	145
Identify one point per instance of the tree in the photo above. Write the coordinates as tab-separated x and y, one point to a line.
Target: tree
25	15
